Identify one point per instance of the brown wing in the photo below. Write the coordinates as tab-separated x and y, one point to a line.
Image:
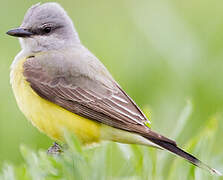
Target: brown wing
95	101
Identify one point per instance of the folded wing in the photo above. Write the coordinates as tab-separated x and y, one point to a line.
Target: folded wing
90	99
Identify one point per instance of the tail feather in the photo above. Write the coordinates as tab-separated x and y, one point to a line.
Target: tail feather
176	150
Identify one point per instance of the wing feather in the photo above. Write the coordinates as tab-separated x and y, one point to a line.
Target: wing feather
110	106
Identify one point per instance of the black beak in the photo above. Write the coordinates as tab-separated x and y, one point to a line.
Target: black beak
20	32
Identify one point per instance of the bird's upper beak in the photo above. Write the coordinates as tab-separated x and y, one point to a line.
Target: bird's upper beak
19	32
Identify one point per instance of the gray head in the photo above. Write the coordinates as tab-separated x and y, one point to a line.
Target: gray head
46	27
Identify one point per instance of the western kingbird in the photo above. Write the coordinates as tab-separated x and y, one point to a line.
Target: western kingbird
58	83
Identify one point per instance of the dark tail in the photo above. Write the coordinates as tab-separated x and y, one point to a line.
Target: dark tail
176	150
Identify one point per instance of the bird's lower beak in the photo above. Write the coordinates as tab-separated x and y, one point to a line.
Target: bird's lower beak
19	32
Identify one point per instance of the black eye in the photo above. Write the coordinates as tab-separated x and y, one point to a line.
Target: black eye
47	30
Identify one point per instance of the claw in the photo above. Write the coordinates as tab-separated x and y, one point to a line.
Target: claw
55	149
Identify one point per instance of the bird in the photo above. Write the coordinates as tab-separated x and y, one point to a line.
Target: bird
59	84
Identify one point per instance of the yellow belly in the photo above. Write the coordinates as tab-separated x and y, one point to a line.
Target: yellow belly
48	117
53	119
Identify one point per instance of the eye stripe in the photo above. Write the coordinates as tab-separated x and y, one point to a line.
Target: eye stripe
41	30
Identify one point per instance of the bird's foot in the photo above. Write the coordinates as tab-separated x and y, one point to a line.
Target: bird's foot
55	149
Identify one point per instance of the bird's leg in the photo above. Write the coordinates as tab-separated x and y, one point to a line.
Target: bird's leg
55	149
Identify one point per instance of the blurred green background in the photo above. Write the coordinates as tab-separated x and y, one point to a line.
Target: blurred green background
162	53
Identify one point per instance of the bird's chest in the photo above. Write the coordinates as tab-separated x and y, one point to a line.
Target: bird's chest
46	116
27	100
21	89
